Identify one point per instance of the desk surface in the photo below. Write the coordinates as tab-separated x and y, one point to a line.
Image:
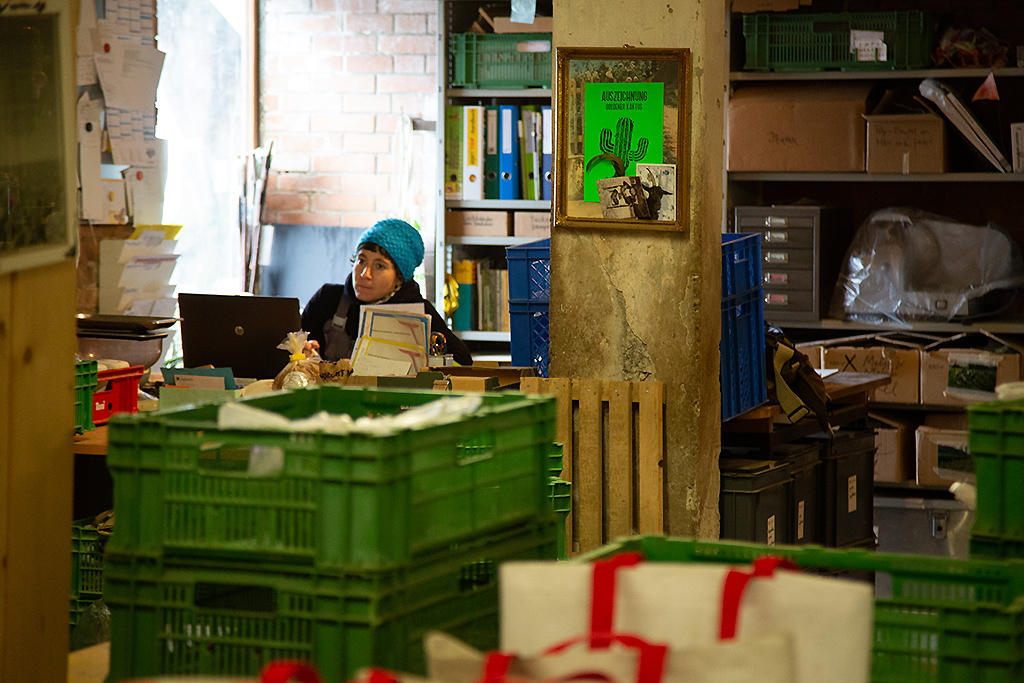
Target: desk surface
93	442
90	664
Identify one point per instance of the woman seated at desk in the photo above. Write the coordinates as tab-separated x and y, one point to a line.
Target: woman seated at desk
386	258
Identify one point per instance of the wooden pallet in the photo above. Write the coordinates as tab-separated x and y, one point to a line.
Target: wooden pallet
614	437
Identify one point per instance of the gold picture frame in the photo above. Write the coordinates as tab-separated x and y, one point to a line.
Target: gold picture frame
622	113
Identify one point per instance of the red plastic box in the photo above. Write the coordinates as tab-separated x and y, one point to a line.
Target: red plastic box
120	395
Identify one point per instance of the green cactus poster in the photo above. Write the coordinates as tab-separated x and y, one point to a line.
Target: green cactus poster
622	123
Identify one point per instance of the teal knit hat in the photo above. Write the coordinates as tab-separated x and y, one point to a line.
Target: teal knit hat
400	240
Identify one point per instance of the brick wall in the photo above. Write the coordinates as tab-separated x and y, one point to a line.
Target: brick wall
336	76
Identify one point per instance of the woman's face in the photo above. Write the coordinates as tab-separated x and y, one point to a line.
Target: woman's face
373	276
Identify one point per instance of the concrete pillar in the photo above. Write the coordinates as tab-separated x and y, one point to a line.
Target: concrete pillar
644	305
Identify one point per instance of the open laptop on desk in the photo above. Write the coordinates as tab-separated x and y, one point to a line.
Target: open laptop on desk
239	332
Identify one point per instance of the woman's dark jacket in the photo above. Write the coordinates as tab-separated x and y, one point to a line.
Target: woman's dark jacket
324	303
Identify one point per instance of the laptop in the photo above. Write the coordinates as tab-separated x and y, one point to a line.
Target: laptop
238	332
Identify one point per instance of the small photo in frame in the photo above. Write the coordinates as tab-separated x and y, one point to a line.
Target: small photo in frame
659	183
622	197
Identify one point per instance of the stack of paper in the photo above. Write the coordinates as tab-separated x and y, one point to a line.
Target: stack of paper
392	340
135	274
960	116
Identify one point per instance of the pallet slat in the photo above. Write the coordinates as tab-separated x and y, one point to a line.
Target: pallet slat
614	449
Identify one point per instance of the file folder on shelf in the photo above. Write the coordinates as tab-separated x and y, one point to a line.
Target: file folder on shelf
508	152
546	142
529	151
491	152
960	116
473	152
453	152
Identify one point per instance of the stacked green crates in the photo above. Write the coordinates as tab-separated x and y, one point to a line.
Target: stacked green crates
86	381
814	41
996	444
946	621
86	567
494	60
344	555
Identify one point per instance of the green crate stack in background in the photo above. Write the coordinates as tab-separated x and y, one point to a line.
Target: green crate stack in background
996	444
494	60
86	381
348	549
86	566
946	620
815	41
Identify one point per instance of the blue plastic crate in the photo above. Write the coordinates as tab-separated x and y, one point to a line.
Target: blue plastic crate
741	262
529	323
529	271
742	370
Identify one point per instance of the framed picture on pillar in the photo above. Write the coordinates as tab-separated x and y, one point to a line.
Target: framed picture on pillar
622	136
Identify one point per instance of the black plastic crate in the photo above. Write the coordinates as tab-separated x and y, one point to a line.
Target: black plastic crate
806	519
754	500
847	479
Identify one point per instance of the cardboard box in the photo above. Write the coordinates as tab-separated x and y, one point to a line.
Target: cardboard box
476	223
797	127
967	368
940	454
906	143
539	25
531	224
895	354
894	448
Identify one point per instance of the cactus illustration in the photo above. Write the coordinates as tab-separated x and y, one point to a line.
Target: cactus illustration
621	146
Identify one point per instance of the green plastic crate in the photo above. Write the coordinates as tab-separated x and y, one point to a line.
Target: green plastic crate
555	459
86	381
184	619
494	60
353	501
561	501
86	560
947	621
996	443
818	41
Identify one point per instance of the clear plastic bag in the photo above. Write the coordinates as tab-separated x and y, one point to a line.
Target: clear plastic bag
907	264
302	369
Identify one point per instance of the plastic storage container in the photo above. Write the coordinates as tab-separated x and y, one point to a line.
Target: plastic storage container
529	274
203	619
996	444
182	488
118	392
85	384
499	60
818	41
86	567
742	354
947	620
741	263
754	500
847	479
805	512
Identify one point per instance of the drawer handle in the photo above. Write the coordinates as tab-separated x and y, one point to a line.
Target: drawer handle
776	278
776	222
777	299
776	257
776	235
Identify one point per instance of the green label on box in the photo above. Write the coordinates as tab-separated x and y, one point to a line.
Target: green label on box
625	120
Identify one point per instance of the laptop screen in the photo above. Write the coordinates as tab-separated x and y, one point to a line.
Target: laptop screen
238	332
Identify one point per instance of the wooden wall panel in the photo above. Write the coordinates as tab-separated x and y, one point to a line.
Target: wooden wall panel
37	346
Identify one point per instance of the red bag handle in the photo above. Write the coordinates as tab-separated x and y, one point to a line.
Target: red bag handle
650	665
288	671
736	581
602	600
